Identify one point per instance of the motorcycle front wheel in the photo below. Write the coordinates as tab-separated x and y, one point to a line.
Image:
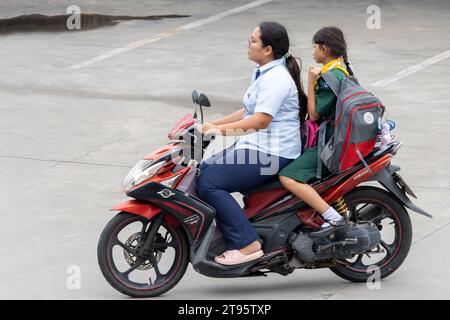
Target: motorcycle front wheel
136	270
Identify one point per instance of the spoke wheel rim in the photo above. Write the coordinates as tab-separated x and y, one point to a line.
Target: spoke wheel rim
147	262
391	249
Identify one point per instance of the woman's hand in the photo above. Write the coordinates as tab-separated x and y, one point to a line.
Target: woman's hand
314	74
208	127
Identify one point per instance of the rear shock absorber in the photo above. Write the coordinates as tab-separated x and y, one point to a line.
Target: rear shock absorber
340	206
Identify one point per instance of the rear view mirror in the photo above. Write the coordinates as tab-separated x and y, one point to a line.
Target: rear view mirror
194	96
203	100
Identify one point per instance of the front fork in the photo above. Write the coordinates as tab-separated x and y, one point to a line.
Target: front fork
144	247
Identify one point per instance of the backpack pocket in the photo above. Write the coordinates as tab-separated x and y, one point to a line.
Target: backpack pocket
328	156
364	125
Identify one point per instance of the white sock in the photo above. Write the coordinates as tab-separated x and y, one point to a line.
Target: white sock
331	214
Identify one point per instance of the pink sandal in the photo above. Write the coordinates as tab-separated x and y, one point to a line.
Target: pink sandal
233	257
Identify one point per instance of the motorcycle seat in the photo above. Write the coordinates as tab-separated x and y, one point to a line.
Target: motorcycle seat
274	182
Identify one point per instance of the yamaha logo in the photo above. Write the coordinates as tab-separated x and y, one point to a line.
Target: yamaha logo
166	193
359	175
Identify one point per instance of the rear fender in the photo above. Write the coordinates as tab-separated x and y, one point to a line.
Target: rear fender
386	177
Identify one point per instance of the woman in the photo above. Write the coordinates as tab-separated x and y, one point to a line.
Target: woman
330	49
271	104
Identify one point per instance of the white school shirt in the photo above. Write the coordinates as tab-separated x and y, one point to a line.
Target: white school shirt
274	92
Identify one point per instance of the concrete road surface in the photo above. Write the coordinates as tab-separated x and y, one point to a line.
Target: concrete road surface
79	108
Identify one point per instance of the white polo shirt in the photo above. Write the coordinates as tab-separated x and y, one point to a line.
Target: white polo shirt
274	92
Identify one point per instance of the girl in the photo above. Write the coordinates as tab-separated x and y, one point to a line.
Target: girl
330	49
271	102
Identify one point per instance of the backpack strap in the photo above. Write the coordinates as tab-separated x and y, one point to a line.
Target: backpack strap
333	82
335	85
320	145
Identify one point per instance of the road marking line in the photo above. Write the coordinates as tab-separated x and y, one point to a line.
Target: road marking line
431	233
172	32
442	56
68	161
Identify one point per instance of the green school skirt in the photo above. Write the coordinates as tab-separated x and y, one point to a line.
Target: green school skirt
304	168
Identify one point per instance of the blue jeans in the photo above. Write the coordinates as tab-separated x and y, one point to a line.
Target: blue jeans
233	171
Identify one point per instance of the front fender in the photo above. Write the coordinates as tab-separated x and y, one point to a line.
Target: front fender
145	209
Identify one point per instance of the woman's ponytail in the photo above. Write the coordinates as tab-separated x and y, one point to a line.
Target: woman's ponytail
295	70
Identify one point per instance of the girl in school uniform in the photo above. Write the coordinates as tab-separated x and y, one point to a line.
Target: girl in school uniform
330	50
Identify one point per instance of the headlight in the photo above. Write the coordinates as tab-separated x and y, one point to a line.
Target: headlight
142	171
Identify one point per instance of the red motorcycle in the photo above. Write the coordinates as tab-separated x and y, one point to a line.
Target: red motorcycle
145	249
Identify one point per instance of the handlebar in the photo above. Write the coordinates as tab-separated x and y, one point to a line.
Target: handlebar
192	132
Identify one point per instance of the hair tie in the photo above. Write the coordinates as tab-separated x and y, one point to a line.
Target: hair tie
287	55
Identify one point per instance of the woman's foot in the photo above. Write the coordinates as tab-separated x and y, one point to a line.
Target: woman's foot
248	253
252	247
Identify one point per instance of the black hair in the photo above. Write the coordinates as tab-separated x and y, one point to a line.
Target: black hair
333	38
275	35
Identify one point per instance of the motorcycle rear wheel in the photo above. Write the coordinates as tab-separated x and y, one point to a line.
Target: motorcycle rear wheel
374	204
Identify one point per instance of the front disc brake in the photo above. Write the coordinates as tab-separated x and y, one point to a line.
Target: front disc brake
130	258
